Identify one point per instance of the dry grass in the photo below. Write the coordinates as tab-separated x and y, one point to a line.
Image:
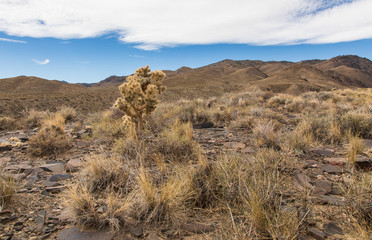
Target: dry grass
8	124
51	139
7	189
356	147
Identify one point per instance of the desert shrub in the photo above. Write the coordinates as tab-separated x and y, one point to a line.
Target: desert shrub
110	210
324	129
102	173
160	203
35	118
68	113
356	147
301	137
131	149
177	144
51	139
7	189
357	193
107	128
266	134
357	123
140	96
7	124
278	101
243	122
297	105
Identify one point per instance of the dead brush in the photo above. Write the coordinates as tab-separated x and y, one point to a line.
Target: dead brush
357	123
35	118
68	113
356	147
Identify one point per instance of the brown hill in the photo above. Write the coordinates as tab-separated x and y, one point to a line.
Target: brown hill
35	85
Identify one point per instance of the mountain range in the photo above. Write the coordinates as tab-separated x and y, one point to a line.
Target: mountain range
226	76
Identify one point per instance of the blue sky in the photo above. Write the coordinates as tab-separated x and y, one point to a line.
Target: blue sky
87	41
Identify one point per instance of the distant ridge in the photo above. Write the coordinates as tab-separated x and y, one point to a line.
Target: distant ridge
228	76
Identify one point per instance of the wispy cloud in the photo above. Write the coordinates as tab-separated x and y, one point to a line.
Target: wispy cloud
151	25
11	40
43	62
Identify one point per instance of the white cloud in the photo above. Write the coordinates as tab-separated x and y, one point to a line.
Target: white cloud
11	40
46	61
154	24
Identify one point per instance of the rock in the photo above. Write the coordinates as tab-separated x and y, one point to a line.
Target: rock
54	189
322	152
82	144
336	161
363	163
203	125
235	145
248	150
197	228
5	159
73	165
67	215
48	183
74	234
331	169
40	220
59	177
32	178
336	190
332	229
367	143
301	181
18	226
152	236
316	234
322	187
20	168
5	147
311	164
136	231
33	171
333	200
53	167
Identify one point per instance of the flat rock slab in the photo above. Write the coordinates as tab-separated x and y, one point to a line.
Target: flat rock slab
59	177
333	200
316	234
323	151
336	161
197	228
332	229
73	165
332	169
363	163
322	187
53	167
235	145
301	181
76	234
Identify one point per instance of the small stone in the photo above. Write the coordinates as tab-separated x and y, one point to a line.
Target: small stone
332	229
48	183
336	161
363	163
32	178
54	189
67	215
248	150
235	145
152	236
59	177
316	234
136	231
322	187
333	200
301	180
197	228
74	234
323	152
5	147
40	220
203	125
331	169
73	165
53	167
310	164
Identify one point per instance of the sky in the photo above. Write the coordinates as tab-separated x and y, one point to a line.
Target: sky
90	40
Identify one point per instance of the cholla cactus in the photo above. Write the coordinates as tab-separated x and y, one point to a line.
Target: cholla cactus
140	96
